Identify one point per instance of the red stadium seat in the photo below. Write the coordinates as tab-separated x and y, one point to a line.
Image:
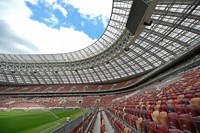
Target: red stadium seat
148	114
192	109
158	131
170	108
196	123
185	122
143	114
197	94
189	96
151	127
144	124
185	101
176	101
179	109
130	119
175	131
172	120
163	107
161	129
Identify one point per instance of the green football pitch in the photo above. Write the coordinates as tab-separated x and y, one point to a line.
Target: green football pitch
35	121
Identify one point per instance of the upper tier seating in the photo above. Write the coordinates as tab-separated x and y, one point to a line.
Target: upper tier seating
66	88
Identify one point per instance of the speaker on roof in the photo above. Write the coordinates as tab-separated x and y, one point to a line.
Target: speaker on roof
136	14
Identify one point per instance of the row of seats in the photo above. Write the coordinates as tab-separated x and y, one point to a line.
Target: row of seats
84	124
85	102
155	98
144	111
117	124
91	125
144	125
102	126
67	88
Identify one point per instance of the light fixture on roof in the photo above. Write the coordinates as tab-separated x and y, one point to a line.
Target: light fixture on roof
126	49
13	71
148	23
56	71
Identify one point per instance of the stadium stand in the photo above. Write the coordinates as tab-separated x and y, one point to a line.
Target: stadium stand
67	88
135	110
165	109
143	78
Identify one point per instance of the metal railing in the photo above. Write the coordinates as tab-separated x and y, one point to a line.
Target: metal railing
69	126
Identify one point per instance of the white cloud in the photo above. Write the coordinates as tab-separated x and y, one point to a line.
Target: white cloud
53	20
56	41
13	10
49	2
41	38
93	8
33	1
105	21
82	23
59	7
23	48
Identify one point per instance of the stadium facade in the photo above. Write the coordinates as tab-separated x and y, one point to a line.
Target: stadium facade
132	45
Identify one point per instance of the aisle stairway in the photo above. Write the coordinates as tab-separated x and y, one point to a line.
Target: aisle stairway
109	128
97	124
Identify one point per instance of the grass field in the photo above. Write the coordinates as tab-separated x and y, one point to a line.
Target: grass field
35	121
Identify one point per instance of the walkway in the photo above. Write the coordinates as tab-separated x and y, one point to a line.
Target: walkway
96	128
109	128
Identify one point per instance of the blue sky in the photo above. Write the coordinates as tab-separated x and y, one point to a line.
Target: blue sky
51	26
72	18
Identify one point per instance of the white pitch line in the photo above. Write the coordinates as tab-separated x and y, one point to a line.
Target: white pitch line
54	115
50	128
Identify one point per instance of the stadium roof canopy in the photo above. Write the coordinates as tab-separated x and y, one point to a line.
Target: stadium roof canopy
141	36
